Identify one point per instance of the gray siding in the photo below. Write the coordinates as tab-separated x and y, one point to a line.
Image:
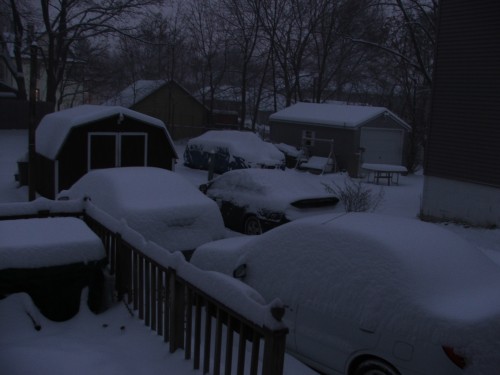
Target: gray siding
464	137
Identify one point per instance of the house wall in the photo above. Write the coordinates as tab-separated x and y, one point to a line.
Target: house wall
464	136
460	201
184	116
463	142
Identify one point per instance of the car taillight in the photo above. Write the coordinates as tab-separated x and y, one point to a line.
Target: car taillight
457	359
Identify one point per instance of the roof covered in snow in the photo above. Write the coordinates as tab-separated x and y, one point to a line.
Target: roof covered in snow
136	92
55	127
334	115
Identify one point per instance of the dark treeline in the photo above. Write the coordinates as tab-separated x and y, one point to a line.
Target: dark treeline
265	54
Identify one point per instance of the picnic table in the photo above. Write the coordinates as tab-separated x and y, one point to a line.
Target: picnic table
388	172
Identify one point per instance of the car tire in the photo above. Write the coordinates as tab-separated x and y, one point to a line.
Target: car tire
374	366
252	225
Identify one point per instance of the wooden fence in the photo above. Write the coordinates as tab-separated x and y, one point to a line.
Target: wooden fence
214	336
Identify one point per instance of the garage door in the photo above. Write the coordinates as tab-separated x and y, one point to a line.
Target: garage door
382	146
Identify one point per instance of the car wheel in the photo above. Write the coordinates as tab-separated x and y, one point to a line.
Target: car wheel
252	225
374	367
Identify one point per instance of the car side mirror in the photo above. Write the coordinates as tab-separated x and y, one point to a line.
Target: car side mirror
240	272
203	188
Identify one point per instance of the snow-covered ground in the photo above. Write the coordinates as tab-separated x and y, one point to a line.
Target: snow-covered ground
115	342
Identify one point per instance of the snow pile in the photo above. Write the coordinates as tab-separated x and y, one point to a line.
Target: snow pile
157	203
35	243
238	144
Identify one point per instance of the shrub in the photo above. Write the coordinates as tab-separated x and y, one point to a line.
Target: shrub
356	196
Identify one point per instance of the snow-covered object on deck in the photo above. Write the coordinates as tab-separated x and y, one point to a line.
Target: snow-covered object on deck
161	205
369	283
47	242
233	150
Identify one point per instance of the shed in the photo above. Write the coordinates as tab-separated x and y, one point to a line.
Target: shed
183	114
74	141
360	134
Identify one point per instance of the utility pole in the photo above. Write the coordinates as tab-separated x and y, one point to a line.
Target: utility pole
32	121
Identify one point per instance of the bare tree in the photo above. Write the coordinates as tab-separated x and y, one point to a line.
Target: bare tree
209	46
13	13
64	22
242	21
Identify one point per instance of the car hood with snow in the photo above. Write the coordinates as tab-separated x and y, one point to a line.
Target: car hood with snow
159	204
273	191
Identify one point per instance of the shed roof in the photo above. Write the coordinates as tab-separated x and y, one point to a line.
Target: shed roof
334	115
136	92
55	127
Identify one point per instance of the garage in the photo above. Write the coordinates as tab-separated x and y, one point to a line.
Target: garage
382	146
354	134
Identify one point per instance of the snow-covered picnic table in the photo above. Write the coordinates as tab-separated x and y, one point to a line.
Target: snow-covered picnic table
384	171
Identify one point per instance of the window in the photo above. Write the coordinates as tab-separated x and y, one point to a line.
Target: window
308	137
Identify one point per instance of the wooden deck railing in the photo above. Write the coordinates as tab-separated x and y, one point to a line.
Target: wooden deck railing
215	336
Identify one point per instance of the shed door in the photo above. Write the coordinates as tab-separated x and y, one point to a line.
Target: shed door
382	146
102	150
133	150
109	150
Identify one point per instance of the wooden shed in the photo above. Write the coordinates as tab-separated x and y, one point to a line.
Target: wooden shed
183	114
74	141
359	134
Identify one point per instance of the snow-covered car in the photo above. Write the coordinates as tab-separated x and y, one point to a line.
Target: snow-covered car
253	201
159	204
232	149
371	294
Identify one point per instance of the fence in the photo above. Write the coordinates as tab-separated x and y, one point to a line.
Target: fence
171	300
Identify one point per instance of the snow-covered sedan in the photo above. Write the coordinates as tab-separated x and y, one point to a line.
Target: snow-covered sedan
370	294
159	204
253	201
232	149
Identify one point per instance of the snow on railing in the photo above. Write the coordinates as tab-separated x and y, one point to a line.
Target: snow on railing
195	310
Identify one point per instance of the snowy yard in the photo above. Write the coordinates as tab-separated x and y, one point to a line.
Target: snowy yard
115	342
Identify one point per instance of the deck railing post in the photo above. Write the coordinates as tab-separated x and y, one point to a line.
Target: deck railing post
176	309
274	352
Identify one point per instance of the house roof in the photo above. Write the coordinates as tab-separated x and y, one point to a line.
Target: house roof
334	115
55	127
